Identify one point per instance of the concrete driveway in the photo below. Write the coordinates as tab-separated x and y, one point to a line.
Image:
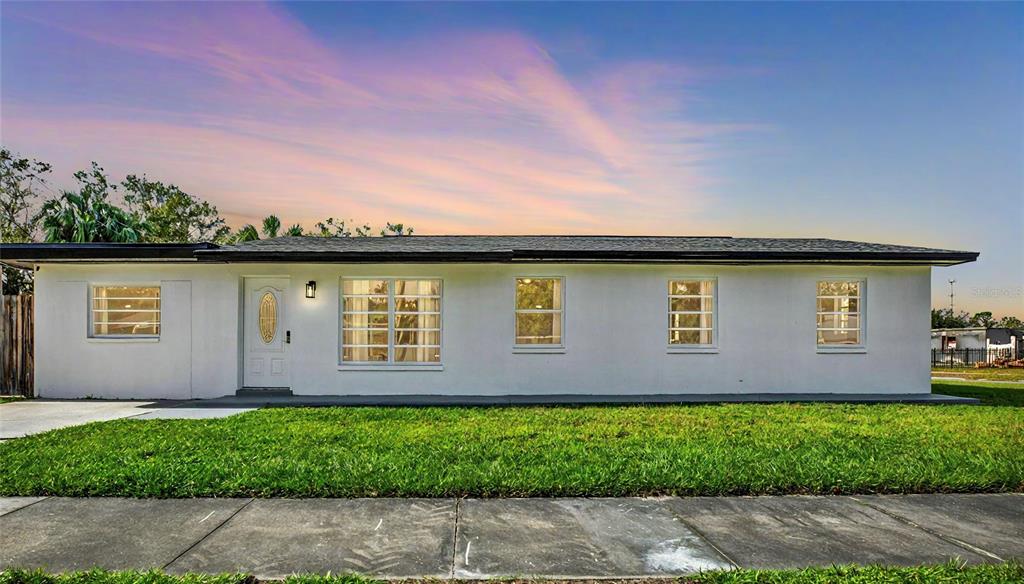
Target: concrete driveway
25	417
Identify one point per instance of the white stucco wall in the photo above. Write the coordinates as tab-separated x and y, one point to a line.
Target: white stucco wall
964	340
615	334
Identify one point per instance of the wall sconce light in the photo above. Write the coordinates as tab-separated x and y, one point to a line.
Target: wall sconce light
311	289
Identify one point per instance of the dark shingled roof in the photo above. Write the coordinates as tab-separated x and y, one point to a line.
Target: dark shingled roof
534	248
501	248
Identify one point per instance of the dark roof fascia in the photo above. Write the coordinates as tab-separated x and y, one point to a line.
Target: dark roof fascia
25	253
313	257
865	257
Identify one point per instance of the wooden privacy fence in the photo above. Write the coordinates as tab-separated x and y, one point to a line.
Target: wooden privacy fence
16	357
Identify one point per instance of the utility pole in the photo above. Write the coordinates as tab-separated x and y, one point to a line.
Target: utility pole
951	282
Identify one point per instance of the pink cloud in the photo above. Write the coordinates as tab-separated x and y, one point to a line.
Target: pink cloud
461	132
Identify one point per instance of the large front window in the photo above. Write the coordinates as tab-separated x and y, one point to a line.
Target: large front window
391	320
839	312
539	311
691	312
125	311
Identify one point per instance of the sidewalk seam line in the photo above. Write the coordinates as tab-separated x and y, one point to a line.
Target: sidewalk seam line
209	533
43	498
700	534
455	539
946	538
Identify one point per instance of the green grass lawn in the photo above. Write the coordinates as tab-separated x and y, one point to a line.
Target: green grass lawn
4	399
1014	374
729	449
996	394
943	574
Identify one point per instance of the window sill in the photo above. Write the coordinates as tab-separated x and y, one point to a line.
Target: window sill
842	350
122	339
675	350
542	350
390	367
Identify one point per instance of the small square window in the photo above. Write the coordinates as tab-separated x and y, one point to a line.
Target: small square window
125	311
839	304
539	314
691	312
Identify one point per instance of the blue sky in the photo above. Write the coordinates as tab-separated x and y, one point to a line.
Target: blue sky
900	123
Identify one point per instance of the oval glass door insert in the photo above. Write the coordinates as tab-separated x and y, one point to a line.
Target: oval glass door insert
268	317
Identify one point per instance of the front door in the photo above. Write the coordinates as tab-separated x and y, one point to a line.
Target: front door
265	361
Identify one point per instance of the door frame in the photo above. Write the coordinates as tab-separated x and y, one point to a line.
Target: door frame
242	321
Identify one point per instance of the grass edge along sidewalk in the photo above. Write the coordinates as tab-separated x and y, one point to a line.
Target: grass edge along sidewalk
951	573
981	373
729	449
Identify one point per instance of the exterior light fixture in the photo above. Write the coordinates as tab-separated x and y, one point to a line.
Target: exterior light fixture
311	289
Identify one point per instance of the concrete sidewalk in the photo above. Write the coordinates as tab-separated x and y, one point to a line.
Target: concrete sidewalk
33	416
484	538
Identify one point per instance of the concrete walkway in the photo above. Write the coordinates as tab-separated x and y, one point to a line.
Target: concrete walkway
32	416
484	538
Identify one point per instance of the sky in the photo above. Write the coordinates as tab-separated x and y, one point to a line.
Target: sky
895	123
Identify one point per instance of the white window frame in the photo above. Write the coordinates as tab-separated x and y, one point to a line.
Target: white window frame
536	347
861	346
692	348
91	320
390	364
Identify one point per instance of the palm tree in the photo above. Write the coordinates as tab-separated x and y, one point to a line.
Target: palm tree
247	233
271	225
330	227
271	229
86	216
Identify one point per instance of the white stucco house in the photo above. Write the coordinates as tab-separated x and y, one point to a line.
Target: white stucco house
485	316
977	337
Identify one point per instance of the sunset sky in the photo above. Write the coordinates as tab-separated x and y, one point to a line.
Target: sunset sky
899	123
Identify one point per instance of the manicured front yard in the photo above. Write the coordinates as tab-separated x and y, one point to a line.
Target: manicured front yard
533	451
944	574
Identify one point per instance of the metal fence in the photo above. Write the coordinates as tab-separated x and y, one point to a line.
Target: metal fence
968	357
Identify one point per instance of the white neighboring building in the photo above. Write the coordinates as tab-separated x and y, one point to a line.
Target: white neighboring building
482	316
976	338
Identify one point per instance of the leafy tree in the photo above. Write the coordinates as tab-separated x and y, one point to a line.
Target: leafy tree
19	180
983	319
944	318
170	214
395	229
87	215
1011	322
332	227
